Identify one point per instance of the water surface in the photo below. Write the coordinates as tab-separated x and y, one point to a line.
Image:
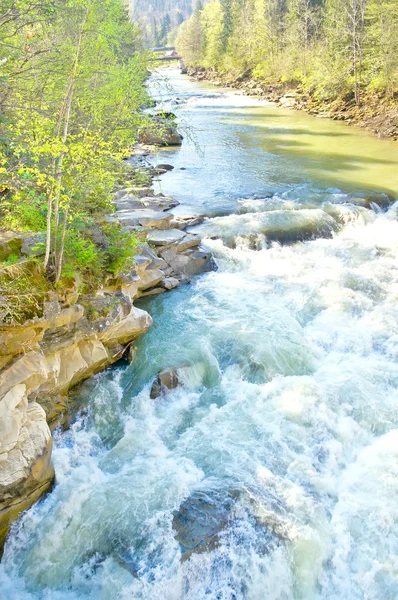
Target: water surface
288	358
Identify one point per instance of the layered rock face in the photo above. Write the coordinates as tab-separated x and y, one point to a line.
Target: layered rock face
76	337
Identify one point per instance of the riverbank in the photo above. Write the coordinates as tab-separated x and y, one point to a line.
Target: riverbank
376	113
72	335
267	469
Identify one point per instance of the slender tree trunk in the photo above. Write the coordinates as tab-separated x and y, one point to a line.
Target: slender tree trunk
48	230
65	118
62	246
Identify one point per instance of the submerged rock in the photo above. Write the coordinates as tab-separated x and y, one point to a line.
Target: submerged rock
278	225
165	380
165	167
200	519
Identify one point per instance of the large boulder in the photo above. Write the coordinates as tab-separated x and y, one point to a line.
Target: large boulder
165	238
26	471
34	245
10	244
150	219
156	203
165	380
200	519
188	264
163	134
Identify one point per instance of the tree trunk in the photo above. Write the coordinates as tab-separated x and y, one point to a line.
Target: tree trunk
64	118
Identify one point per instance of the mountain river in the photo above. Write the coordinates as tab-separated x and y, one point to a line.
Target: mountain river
271	472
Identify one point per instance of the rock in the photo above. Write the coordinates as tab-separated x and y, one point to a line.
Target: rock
164	238
165	135
372	198
149	219
132	352
34	245
190	264
67	357
165	380
200	519
136	323
189	241
165	167
159	202
25	455
156	203
155	261
169	283
10	244
191	221
141	192
129	202
149	279
200	262
123	193
153	292
137	192
177	224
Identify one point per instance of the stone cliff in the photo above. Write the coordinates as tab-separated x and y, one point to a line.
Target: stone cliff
77	336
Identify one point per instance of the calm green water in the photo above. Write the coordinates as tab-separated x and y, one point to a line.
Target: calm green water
288	357
240	147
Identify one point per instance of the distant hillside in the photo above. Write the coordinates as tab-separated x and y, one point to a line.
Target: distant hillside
160	19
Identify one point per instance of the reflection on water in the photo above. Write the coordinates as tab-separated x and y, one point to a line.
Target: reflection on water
272	471
238	146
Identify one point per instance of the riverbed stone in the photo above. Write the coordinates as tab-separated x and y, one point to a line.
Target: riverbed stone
165	167
169	283
165	135
167	379
200	519
149	219
34	245
164	238
156	203
189	241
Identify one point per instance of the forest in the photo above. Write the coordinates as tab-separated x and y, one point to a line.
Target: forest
198	300
333	48
160	19
71	99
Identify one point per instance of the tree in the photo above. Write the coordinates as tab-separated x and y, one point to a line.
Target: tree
71	94
213	24
382	44
190	39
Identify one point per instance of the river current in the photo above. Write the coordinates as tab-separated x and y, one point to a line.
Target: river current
287	417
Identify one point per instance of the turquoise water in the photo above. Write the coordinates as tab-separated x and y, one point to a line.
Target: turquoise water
287	356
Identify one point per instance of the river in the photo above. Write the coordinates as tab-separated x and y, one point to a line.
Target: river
284	434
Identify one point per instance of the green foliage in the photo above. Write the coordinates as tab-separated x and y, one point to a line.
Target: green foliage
334	48
23	291
24	211
121	248
81	255
72	92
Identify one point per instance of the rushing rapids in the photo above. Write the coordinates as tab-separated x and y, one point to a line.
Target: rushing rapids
271	470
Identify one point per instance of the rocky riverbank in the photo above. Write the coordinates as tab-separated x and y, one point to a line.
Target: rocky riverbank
78	335
376	113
